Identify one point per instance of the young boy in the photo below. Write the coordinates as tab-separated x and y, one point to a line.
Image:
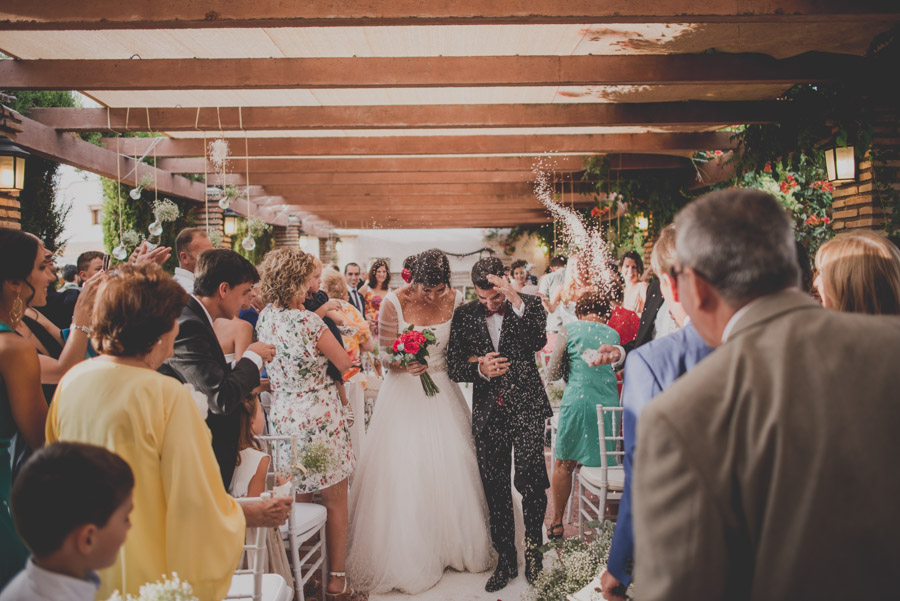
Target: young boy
70	504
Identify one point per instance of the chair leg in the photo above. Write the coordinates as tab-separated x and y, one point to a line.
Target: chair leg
324	566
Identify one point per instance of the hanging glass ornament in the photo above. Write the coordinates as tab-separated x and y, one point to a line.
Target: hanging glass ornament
135	193
120	253
225	203
155	228
248	243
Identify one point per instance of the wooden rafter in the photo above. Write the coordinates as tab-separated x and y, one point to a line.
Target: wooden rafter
366	165
685	143
447	71
698	114
171	14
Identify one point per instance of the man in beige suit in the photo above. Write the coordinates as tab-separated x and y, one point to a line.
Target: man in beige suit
769	471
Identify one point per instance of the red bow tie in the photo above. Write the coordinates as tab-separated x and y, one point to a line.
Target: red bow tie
500	311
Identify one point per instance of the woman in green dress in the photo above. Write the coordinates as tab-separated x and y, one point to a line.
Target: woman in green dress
23	411
578	437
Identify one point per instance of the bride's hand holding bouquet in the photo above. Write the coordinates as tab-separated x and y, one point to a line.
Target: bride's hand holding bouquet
410	350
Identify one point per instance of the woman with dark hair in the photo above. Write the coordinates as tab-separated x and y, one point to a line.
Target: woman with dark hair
183	520
23	411
375	290
632	268
578	437
417	505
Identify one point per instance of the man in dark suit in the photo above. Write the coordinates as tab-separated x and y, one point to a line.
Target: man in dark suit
492	344
222	285
352	273
648	371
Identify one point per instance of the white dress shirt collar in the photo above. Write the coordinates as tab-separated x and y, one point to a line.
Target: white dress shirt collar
37	584
208	316
726	333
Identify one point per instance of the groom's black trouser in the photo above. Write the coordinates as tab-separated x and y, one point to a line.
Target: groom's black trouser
507	432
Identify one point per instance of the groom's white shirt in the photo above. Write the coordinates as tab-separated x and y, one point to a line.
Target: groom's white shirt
494	326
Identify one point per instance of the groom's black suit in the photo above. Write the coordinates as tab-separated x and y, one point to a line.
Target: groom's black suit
199	360
508	414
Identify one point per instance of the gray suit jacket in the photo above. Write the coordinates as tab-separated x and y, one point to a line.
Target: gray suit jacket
769	470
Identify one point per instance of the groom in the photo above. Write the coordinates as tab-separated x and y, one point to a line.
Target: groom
493	342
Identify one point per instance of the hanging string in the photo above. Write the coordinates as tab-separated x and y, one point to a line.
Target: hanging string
118	174
205	171
155	170
246	159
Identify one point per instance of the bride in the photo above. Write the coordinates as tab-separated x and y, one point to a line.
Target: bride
416	501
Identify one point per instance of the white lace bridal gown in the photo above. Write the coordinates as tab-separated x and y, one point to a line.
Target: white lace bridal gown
416	501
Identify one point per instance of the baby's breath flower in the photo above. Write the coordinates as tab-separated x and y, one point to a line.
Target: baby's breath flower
166	210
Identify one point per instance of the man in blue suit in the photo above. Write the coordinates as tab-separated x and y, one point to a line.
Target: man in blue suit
649	370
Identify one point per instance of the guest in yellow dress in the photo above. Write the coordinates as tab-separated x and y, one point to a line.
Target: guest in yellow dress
183	520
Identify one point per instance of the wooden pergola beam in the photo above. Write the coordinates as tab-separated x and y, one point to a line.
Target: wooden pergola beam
336	167
71	150
697	114
401	190
453	203
175	14
686	143
402	72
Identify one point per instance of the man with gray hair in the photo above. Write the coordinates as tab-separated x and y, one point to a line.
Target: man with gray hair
766	472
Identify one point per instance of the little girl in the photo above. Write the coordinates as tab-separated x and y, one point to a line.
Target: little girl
249	478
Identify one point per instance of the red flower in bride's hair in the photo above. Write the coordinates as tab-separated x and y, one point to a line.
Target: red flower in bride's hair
406	274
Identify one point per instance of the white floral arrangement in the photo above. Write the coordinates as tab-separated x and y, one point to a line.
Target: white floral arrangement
131	238
231	192
147	181
218	153
257	227
215	237
578	564
167	589
165	210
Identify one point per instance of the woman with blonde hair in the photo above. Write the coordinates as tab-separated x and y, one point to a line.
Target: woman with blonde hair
306	404
859	273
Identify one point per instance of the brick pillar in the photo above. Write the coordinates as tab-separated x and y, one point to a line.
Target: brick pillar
323	250
10	210
287	236
865	202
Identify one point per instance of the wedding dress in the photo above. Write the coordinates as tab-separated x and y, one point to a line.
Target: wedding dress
416	501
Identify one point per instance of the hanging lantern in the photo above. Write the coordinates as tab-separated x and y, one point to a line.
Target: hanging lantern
840	163
12	166
229	221
642	222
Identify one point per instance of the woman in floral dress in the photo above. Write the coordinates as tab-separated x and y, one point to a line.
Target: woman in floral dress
306	403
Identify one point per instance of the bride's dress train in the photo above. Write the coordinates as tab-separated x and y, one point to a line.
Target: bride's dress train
416	501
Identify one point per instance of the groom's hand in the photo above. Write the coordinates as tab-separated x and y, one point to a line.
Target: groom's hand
493	365
505	288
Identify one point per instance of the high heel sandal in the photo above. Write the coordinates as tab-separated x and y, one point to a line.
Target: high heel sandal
555	531
344	593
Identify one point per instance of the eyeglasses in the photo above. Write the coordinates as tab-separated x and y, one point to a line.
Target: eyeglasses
675	273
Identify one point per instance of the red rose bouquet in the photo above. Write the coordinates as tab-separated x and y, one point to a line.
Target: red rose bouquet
412	345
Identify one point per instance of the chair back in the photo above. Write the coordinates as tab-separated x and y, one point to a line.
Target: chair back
254	556
612	442
280	449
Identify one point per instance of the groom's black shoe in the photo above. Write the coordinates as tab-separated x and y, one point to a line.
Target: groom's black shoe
534	563
506	571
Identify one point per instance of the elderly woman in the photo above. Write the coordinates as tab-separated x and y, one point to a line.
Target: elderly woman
859	273
306	404
578	437
183	520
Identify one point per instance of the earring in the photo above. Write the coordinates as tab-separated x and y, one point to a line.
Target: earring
17	311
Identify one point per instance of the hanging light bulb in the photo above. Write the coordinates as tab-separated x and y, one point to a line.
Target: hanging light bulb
135	193
155	228
248	243
120	253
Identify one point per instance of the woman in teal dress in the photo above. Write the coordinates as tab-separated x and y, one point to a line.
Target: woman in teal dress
578	437
23	411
